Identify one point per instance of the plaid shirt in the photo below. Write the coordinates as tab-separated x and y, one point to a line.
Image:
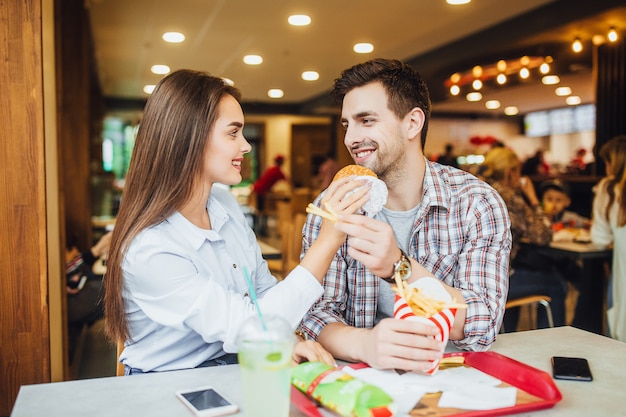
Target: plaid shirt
461	234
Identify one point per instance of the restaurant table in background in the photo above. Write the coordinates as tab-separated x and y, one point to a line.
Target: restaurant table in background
153	394
268	251
591	305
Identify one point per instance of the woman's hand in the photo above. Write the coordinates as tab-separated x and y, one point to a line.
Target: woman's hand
310	351
343	196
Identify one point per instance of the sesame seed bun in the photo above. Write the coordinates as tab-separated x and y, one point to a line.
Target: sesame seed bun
357	170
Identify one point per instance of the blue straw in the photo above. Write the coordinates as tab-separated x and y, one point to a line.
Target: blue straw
253	296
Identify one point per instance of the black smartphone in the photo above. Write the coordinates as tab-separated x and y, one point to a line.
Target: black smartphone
206	402
575	369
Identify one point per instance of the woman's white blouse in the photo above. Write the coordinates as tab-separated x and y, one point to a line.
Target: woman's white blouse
185	292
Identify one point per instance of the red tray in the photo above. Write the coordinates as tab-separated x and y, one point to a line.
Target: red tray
524	377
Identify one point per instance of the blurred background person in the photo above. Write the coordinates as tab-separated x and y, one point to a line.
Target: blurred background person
327	171
448	157
83	287
555	199
578	165
263	185
536	165
530	275
609	227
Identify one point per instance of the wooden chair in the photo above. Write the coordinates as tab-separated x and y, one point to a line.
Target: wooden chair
531	302
119	370
293	243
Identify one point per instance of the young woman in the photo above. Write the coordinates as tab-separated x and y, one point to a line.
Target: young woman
502	169
181	253
609	226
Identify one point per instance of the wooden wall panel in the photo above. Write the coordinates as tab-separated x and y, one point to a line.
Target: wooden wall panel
24	346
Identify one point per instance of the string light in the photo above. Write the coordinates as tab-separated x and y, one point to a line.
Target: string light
577	46
612	36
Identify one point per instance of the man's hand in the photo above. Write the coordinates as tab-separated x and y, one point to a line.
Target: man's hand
402	344
371	242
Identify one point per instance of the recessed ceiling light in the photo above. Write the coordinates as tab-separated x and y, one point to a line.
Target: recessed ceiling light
160	69
474	96
501	78
310	75
455	90
563	91
253	59
477	84
511	110
550	79
457	2
275	93
573	100
148	89
173	37
492	104
524	73
299	20
363	48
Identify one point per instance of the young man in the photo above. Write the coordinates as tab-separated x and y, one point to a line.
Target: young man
438	221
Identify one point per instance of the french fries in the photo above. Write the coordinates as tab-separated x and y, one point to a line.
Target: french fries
328	214
421	304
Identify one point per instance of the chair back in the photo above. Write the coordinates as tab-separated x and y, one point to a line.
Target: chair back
119	370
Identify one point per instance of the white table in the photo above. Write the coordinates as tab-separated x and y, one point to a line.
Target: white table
153	394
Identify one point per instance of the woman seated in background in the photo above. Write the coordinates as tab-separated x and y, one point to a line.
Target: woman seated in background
609	226
182	254
530	275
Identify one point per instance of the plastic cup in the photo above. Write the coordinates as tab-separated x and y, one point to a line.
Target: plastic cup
443	320
265	363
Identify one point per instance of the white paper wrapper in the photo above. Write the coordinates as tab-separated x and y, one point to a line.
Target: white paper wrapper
442	320
378	195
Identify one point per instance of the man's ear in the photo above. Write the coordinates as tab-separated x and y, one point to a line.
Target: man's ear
415	120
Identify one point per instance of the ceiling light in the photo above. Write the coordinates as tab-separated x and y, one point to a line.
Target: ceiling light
544	68
474	96
597	40
299	20
577	46
501	78
550	79
524	73
148	89
363	48
573	100
253	59
228	81
501	65
455	90
511	110
477	84
275	93
563	91
477	71
173	37
492	104
612	35
457	2
455	78
525	60
160	69
310	75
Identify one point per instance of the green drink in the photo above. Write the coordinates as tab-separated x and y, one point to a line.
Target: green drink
265	362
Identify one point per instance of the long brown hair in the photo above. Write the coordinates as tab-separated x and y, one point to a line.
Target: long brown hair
165	164
614	154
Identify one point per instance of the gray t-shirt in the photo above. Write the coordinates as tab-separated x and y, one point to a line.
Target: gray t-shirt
402	223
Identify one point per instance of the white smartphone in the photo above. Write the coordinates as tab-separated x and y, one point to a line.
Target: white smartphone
206	402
